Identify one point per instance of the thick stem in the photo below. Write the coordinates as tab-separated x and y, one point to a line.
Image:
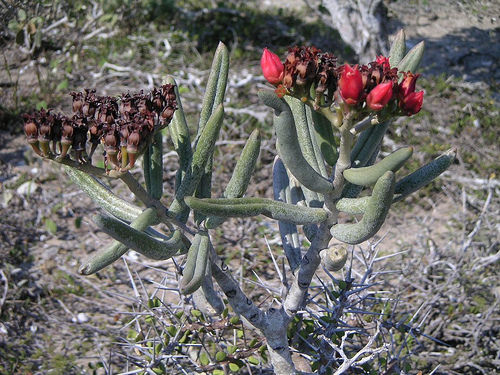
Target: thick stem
240	303
136	188
344	161
275	332
272	324
310	263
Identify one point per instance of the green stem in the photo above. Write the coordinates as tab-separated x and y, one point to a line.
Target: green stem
325	111
344	161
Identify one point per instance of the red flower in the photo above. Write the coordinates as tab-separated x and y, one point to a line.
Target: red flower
272	67
379	96
383	61
407	86
412	103
350	84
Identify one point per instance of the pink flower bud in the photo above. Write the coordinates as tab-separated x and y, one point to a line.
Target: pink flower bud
350	84
412	103
379	96
272	67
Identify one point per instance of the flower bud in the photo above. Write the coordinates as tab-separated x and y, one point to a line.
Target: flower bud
272	67
379	96
412	103
407	86
350	84
383	62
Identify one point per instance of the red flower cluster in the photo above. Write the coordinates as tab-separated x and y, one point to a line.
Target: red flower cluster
124	129
409	100
375	83
303	67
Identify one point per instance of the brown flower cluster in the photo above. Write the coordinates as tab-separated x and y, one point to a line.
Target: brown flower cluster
305	66
377	72
123	125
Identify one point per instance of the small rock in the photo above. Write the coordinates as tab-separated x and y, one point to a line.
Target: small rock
3	330
133	256
28	188
82	318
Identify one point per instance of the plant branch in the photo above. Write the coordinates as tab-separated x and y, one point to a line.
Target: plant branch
308	267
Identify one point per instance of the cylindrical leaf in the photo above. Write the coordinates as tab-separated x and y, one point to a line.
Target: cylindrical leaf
204	150
117	249
138	240
247	207
192	281
398	48
412	59
367	176
374	215
157	166
102	196
423	175
288	231
216	87
242	173
353	206
289	148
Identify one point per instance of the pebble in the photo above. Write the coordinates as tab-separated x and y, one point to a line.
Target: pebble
81	318
27	188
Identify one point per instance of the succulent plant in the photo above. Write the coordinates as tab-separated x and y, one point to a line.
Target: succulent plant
329	120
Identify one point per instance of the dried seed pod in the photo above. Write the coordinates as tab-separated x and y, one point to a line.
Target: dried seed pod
90	103
95	133
111	141
133	145
31	131
45	124
80	130
66	136
77	101
101	119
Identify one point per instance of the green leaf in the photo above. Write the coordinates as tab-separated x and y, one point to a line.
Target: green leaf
248	207
21	15
253	360
78	222
139	241
51	226
13	25
204	359
398	48
412	59
220	356
231	349
41	104
289	147
234	367
196	313
62	86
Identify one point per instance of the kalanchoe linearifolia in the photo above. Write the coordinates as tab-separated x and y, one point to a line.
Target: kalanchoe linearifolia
123	125
331	125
